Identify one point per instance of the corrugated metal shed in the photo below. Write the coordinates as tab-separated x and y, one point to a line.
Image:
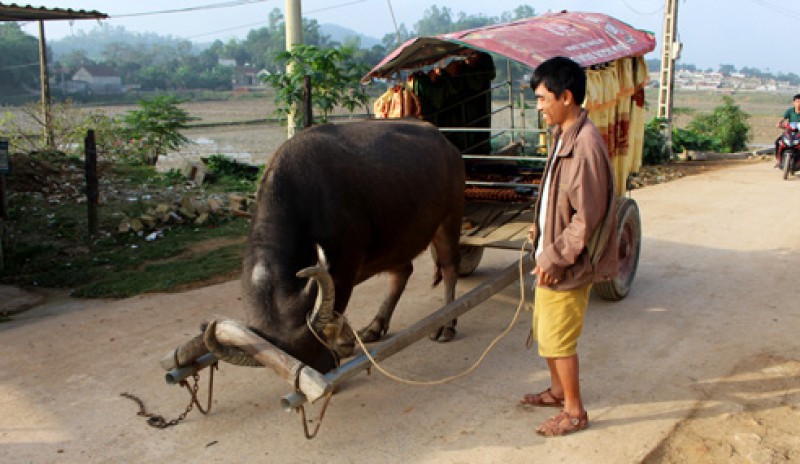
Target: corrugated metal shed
14	12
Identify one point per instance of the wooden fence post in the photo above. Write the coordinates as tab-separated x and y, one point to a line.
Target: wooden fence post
308	112
5	167
90	158
3	215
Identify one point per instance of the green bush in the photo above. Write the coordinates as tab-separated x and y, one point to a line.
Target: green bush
156	126
688	139
655	143
334	81
233	176
224	166
727	124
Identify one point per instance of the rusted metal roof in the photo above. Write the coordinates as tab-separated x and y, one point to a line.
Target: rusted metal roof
14	12
588	38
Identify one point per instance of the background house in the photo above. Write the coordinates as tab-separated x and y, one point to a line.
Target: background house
245	76
99	79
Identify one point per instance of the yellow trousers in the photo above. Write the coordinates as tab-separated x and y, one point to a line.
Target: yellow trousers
558	320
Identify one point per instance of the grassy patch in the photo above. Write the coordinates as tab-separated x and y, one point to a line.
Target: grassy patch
123	265
167	276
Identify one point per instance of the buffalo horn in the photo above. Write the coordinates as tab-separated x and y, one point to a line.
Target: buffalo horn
229	354
322	314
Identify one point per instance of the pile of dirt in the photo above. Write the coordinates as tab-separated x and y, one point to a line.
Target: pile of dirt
658	174
52	175
57	178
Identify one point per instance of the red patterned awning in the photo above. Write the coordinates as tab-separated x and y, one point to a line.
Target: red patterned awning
588	38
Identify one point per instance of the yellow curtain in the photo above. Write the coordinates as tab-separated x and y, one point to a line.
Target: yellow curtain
622	158
641	78
615	102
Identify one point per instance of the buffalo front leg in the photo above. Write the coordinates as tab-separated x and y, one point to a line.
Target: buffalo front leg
398	278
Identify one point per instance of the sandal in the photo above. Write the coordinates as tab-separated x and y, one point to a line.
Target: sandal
563	424
545	398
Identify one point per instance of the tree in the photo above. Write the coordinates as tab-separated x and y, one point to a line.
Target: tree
524	11
653	64
470	22
394	40
158	124
334	80
435	21
19	59
73	60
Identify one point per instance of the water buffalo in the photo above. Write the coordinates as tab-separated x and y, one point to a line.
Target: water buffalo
371	196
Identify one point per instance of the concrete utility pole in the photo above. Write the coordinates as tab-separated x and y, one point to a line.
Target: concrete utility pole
294	36
45	78
670	51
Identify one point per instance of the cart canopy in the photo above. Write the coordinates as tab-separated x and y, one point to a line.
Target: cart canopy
587	38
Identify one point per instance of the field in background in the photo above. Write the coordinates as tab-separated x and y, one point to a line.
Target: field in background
239	127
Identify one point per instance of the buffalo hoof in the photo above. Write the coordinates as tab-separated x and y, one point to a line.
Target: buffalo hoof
443	335
370	334
345	344
345	350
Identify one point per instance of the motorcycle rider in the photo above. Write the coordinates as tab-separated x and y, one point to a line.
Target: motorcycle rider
791	115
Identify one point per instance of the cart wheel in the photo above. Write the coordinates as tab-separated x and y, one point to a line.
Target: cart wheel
629	239
470	259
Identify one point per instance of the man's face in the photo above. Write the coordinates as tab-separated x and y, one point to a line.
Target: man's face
554	109
796	103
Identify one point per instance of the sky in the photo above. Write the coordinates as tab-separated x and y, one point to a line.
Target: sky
751	33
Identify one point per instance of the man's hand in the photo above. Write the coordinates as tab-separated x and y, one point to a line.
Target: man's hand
544	278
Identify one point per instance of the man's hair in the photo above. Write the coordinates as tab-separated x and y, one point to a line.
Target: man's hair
796	96
559	74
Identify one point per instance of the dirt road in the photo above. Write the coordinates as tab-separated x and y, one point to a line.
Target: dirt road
701	363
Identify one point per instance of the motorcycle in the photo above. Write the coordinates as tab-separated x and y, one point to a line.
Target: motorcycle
790	149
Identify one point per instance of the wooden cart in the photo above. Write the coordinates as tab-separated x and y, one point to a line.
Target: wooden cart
502	183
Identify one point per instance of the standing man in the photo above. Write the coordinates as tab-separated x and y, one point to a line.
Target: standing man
791	115
572	234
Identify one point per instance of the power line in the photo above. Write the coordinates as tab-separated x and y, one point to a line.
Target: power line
642	13
20	66
191	8
779	9
227	29
264	22
333	7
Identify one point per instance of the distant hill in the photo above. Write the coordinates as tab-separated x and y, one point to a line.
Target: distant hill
341	34
95	42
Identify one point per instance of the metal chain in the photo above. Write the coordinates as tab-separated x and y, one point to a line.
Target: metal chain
158	421
310	435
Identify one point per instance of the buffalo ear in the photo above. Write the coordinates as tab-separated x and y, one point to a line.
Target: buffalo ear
258	274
